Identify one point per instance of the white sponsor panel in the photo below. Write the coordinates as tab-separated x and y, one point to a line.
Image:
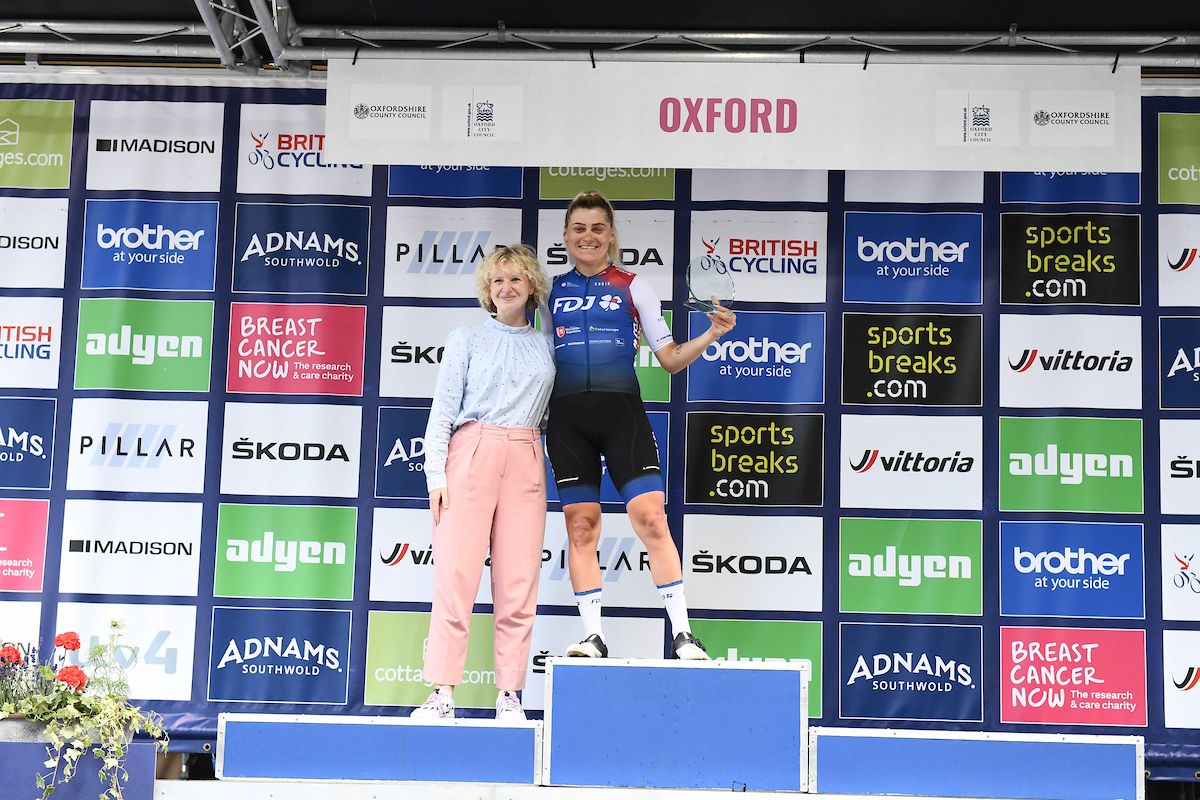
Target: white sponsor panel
752	563
978	119
647	241
402	558
1179	466
1179	260
915	186
1181	572
902	461
126	547
433	252
626	637
481	112
414	339
30	341
1073	117
33	242
157	146
137	445
399	111
281	151
163	638
761	185
19	622
773	256
1181	679
1070	361
624	566
297	450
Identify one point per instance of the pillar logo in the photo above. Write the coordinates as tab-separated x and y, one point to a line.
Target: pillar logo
1071	464
770	354
912	359
617	183
1070	259
1073	676
23	526
911	566
1070	187
147	345
33	241
767	642
1179	575
35	143
1178	158
911	672
30	341
1090	570
1070	361
400	454
913	258
282	151
775	256
301	248
26	442
623	560
279	655
1179	362
296	552
433	252
161	146
282	348
660	425
150	244
754	459
445	180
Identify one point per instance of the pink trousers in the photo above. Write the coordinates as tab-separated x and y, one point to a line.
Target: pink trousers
496	480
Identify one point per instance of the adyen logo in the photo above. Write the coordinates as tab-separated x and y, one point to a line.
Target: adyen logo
912	359
754	459
301	249
913	258
1071	464
433	252
35	143
1074	259
150	244
151	345
775	256
1179	361
299	552
278	655
23	525
1178	158
911	672
445	180
26	442
774	357
911	566
400	455
1072	569
30	340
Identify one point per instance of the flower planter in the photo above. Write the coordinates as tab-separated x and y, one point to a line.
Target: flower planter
19	729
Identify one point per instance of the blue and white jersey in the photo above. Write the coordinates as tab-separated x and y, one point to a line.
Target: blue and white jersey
595	326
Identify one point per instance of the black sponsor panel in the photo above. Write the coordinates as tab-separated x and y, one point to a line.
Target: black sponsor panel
912	359
754	459
1070	259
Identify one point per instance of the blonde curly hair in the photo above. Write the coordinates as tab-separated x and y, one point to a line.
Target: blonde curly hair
522	257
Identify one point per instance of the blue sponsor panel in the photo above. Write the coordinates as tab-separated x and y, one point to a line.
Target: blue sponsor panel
279	655
770	357
1070	187
912	672
26	442
400	458
608	492
301	249
435	180
1072	569
163	245
913	258
1179	361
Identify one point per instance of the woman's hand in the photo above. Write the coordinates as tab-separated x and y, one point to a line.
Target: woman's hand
722	319
439	499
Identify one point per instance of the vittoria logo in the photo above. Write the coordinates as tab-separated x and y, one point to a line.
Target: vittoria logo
1072	360
908	461
1191	677
401	549
1186	257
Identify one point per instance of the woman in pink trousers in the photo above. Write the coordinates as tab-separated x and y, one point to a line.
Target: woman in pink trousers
485	472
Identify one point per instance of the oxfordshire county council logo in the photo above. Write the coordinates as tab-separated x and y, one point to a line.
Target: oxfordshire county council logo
362	111
1041	117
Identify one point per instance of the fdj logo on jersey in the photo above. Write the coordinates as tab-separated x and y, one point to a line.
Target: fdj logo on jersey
150	244
26	442
154	345
605	302
301	249
400	458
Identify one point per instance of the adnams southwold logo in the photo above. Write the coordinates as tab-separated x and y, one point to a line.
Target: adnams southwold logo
26	442
156	146
282	151
152	345
433	252
774	256
30	340
1179	361
400	456
301	249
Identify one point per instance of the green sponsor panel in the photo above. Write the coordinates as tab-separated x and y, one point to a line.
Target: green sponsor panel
150	345
911	566
396	657
295	552
654	380
616	183
1071	464
767	641
35	143
1179	158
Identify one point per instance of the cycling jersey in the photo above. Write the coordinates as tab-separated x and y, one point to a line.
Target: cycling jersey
595	326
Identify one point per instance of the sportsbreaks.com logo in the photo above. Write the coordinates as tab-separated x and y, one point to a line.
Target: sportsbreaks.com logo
754	459
727	115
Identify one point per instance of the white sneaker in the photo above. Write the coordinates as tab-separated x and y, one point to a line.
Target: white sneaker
440	705
689	648
591	647
508	708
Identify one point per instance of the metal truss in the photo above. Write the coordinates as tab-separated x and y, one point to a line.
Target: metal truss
263	37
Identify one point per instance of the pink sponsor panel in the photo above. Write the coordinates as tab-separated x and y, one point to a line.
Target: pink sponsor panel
296	348
22	544
1073	676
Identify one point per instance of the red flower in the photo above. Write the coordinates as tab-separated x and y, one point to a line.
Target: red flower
10	655
67	641
74	677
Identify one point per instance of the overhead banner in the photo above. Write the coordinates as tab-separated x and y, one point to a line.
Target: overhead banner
734	116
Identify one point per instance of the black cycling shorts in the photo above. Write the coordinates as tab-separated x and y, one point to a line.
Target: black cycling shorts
585	426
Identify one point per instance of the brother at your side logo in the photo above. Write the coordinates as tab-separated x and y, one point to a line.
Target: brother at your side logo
150	244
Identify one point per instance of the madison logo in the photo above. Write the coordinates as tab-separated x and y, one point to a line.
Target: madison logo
130	547
1072	360
910	570
908	461
305	657
146	145
1191	677
284	554
1186	257
400	550
132	444
1071	468
706	562
939	674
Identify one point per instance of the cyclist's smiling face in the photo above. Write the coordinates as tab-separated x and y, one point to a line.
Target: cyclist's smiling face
587	237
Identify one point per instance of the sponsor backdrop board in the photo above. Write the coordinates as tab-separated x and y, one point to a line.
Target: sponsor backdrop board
948	454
